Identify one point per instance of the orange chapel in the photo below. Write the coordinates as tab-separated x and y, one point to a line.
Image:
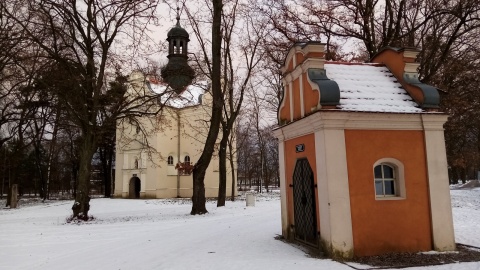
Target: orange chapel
363	166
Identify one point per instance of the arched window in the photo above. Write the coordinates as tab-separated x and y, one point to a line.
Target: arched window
170	160
187	159
389	179
385	180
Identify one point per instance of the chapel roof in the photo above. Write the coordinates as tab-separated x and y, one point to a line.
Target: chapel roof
390	83
369	87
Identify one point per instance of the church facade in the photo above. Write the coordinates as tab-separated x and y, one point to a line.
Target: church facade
149	153
156	152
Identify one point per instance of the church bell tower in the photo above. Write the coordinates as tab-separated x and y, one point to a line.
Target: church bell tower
177	73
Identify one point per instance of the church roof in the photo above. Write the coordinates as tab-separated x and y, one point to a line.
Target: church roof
177	31
370	88
191	96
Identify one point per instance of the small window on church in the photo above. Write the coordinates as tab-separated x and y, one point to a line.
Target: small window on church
385	180
170	160
187	159
389	179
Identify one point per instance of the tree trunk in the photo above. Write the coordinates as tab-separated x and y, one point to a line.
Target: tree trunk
198	199
81	205
9	197
15	160
108	174
14	196
12	182
200	168
38	163
106	158
232	166
51	151
222	162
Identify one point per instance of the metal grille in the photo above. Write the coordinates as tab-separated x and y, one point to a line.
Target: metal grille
304	203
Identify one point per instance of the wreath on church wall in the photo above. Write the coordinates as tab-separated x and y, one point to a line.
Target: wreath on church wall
184	168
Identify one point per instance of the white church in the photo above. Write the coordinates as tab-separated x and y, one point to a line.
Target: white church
147	155
150	150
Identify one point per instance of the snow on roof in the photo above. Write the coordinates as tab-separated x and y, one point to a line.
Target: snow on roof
370	87
190	97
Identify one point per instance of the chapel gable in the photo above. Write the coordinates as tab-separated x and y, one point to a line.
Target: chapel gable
403	65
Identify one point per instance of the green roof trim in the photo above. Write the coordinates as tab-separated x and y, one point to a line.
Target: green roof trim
329	90
431	98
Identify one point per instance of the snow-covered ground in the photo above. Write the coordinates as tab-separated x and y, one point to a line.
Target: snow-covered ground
160	234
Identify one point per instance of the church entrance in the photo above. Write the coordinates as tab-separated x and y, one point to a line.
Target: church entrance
304	209
134	188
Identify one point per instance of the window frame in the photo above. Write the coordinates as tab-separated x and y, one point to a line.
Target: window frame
170	160
398	179
185	159
383	179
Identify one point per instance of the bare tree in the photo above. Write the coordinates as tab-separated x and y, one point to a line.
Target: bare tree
235	84
246	154
212	66
374	23
238	65
14	63
79	37
434	25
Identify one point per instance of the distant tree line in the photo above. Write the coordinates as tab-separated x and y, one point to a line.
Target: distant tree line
257	159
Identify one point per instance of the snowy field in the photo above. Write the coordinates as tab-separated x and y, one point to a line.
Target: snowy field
160	234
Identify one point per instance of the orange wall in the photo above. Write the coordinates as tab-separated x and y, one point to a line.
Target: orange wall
310	96
285	110
395	62
300	58
315	55
290	65
290	160
297	110
388	225
310	99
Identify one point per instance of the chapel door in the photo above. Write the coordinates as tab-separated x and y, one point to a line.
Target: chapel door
304	209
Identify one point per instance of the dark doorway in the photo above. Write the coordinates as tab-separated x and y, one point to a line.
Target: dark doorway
305	216
134	188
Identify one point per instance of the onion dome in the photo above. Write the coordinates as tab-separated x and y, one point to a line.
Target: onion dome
177	73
